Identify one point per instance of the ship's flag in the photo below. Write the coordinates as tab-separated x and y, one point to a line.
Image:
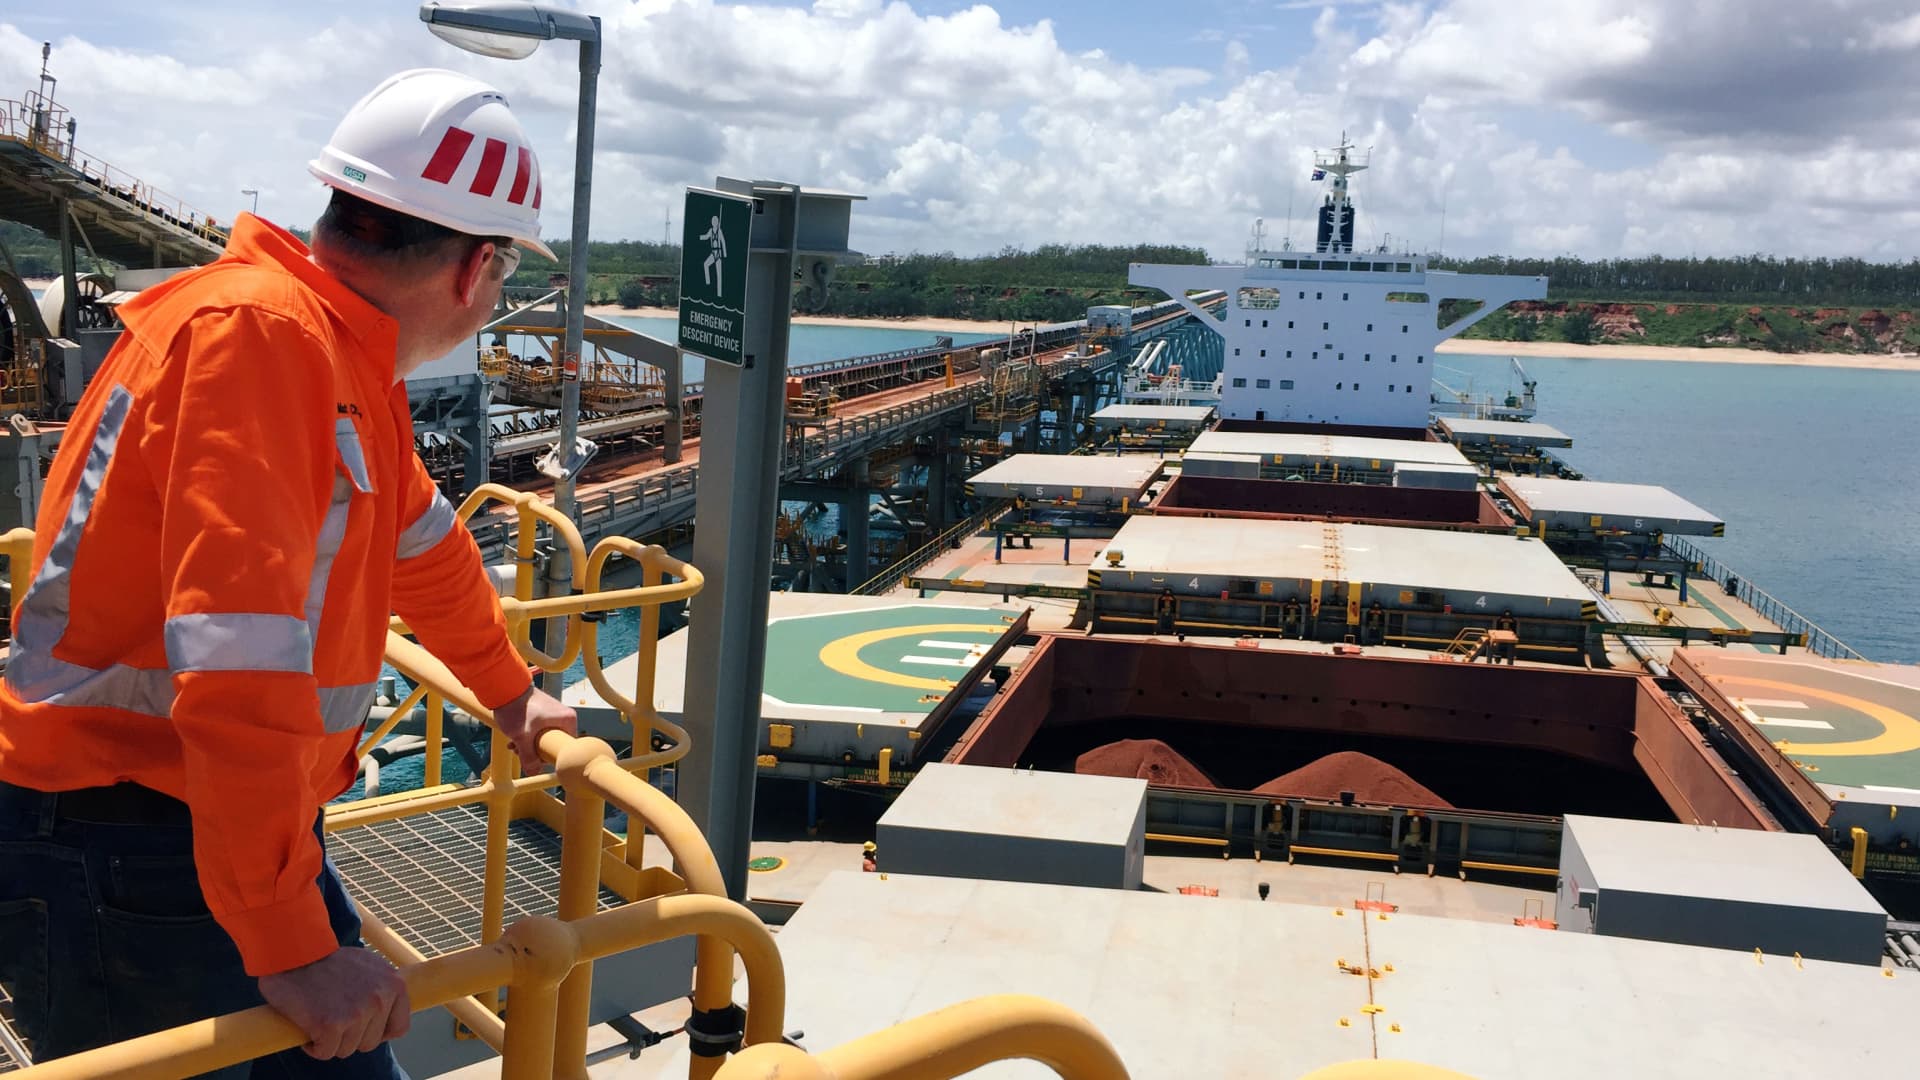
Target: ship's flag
1319	174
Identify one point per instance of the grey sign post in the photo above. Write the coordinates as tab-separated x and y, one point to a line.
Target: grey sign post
713	275
742	423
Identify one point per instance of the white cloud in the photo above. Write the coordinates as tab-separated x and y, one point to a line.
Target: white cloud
1599	126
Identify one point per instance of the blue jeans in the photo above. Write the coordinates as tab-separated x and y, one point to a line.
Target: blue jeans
104	936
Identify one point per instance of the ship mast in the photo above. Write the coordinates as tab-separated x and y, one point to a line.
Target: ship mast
1336	213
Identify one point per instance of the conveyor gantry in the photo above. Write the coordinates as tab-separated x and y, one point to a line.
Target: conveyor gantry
116	216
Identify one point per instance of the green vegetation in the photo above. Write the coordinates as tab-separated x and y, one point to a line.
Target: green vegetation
1788	305
1778	327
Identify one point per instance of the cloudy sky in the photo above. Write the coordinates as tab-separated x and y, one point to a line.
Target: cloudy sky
1596	127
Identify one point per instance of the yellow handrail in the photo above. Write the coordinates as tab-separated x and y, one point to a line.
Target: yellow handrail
946	1043
546	962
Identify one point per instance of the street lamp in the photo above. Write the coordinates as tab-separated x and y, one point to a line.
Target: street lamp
255	192
512	30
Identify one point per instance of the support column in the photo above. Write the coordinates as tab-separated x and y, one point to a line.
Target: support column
855	517
69	277
676	413
479	437
736	508
937	484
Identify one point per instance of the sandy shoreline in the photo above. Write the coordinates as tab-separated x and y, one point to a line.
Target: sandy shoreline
1871	361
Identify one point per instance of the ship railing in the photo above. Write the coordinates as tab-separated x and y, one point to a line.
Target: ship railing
545	963
1818	640
916	560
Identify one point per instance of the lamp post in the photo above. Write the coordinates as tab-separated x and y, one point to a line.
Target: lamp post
255	192
512	30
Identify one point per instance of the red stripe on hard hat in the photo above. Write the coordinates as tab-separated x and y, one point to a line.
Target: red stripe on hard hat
522	174
488	177
446	159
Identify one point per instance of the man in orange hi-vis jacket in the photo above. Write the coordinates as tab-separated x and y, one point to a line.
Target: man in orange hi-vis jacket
235	511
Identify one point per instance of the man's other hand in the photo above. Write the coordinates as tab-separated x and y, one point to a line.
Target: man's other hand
523	719
349	1001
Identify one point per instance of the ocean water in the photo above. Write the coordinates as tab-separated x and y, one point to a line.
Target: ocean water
1816	472
808	344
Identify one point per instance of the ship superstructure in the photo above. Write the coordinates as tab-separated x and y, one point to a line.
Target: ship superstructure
1335	335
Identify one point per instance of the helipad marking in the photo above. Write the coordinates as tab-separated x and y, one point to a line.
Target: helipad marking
1793	722
843	654
1902	732
1771	703
963	646
941	661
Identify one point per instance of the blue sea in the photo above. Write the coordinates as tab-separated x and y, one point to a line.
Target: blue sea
1816	472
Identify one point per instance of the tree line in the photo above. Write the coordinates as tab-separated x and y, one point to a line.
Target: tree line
1758	279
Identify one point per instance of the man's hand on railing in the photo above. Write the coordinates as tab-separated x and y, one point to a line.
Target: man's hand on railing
348	1001
523	719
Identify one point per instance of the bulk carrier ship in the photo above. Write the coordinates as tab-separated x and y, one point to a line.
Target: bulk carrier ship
1271	726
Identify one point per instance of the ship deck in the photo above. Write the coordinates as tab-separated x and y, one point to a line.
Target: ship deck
1708	604
1852	727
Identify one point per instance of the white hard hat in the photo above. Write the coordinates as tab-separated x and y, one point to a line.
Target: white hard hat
443	147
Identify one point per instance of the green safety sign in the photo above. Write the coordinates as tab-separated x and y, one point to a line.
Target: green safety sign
713	275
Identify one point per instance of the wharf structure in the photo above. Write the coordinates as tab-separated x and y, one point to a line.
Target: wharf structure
1397	846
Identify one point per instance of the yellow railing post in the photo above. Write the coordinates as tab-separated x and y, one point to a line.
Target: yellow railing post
579	894
543	950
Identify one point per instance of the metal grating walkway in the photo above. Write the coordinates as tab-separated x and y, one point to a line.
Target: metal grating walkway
423	875
12	1054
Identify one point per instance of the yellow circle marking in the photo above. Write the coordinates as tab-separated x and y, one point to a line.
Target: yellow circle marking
843	654
1901	732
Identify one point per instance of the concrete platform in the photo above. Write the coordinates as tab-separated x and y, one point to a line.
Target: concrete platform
1017	825
1081	480
1470	571
1140	417
1301	451
1587	505
1503	433
1218	987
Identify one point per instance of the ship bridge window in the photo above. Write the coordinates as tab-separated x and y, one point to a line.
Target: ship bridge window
1404	268
1383	268
1407	298
1240	384
1286	384
1263	384
1289	264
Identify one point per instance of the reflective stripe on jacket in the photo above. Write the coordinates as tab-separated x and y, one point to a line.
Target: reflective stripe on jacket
235	510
